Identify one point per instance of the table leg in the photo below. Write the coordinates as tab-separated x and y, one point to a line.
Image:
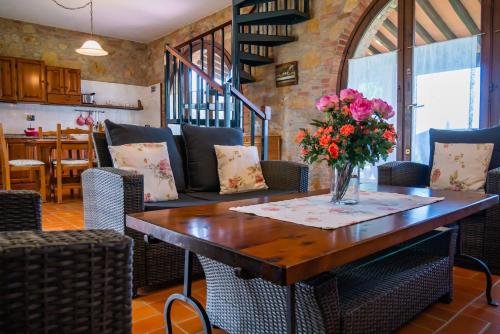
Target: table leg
291	317
186	297
459	257
487	273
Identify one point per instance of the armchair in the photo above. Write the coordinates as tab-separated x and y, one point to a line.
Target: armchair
69	281
479	234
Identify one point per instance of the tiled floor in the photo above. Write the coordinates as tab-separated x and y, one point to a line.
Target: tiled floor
467	314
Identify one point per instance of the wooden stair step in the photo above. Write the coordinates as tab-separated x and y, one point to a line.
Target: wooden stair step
265	40
253	59
246	77
288	17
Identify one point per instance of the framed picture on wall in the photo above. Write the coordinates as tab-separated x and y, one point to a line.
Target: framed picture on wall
287	74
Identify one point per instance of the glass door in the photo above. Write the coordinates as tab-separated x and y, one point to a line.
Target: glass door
446	70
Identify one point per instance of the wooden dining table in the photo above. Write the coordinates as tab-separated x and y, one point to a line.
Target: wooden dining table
286	253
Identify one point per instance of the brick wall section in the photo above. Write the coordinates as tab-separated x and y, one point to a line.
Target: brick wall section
126	62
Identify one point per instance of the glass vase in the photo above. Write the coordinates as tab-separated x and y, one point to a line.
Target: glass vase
345	184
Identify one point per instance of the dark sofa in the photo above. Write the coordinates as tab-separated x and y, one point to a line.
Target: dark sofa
109	193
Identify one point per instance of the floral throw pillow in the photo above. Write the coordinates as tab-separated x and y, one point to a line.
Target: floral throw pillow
150	160
239	169
460	167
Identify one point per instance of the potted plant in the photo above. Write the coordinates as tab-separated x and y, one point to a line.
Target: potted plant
353	132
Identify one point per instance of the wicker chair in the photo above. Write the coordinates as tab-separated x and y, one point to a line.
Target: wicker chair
67	282
479	235
109	194
374	295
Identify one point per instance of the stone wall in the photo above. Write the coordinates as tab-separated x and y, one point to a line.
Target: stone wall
126	63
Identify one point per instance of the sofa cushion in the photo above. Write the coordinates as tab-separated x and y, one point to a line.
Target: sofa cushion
150	160
184	201
200	152
239	169
490	135
121	134
460	167
215	196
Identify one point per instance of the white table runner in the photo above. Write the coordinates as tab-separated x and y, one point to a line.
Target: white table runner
318	211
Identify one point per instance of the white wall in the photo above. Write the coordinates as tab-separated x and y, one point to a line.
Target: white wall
47	116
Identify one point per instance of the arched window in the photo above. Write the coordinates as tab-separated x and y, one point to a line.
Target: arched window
425	58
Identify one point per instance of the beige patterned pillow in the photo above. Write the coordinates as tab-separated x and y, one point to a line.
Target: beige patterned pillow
460	167
150	160
239	169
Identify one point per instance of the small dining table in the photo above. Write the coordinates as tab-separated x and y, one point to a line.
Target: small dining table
274	250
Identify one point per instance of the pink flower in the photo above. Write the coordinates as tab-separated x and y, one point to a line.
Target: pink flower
383	108
350	95
164	165
361	109
326	102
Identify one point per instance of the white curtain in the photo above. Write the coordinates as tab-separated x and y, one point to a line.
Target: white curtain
446	90
376	77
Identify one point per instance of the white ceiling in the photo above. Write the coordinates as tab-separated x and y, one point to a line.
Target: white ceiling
135	20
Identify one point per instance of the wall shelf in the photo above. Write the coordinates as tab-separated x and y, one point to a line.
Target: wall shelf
91	106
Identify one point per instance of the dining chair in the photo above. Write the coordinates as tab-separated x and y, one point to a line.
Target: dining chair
63	164
20	165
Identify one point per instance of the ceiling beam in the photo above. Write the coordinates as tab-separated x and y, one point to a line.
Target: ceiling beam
464	16
391	27
436	19
373	50
426	36
385	41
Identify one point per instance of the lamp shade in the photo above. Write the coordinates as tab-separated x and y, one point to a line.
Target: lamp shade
92	48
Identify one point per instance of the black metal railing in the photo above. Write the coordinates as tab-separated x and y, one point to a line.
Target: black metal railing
193	96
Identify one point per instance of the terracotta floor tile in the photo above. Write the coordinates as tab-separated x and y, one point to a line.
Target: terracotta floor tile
428	321
180	310
143	312
148	325
463	272
464	324
411	328
191	326
493	329
486	313
439	312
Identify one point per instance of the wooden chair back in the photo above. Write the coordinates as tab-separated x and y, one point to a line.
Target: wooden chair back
42	134
65	134
4	158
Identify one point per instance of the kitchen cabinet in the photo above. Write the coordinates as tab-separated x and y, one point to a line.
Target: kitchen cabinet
55	80
31	80
72	79
63	85
8	79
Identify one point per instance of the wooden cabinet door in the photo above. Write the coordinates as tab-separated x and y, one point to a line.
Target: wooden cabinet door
55	80
8	82
72	81
31	80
